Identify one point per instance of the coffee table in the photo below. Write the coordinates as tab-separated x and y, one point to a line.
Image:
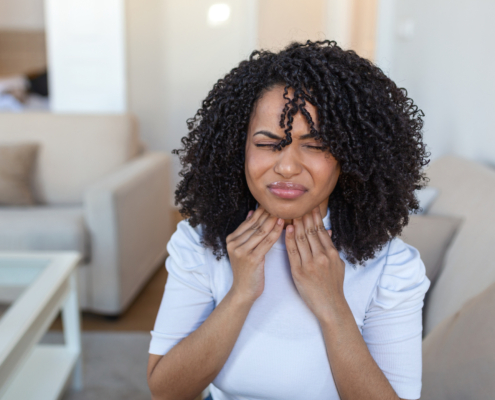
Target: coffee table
38	285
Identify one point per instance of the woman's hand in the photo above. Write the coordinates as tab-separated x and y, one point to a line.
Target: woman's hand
247	247
317	269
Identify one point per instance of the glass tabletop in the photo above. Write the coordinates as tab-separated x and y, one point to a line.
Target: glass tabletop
19	271
16	274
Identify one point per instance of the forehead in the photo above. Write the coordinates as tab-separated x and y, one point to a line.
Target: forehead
270	106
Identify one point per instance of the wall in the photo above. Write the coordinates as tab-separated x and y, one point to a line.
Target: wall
22	14
86	55
145	56
363	27
284	21
352	23
195	57
441	52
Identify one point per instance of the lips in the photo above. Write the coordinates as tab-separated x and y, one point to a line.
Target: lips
287	190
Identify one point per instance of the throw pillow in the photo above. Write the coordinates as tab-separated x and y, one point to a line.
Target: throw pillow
16	168
426	197
431	235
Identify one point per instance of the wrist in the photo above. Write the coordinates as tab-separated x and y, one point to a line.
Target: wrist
240	299
335	312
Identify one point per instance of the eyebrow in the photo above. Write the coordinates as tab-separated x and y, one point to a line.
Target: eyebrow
273	136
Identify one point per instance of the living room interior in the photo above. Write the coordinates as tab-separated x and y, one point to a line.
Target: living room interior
94	96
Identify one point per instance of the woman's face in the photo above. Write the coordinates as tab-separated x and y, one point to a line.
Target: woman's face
291	182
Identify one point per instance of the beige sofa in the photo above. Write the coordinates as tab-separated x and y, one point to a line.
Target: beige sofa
459	316
99	193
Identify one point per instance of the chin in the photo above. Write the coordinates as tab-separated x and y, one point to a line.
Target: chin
287	210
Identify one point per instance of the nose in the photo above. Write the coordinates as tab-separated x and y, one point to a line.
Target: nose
288	163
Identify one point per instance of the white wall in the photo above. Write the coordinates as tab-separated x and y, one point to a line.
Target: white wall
146	89
441	51
86	55
22	14
195	57
283	21
339	21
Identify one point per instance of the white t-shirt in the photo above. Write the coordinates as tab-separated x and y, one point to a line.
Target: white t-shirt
280	353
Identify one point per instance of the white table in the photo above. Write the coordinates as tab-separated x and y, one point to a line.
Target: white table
40	285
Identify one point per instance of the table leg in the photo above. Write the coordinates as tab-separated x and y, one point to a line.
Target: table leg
71	320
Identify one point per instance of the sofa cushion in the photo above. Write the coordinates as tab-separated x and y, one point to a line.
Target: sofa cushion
466	190
75	150
16	170
459	354
431	235
43	228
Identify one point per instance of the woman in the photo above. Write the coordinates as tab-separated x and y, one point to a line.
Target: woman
288	281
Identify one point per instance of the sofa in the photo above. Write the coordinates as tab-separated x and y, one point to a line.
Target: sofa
458	312
98	191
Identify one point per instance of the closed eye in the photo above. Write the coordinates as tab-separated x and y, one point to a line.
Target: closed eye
275	145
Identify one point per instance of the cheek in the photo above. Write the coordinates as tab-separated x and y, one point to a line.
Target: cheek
325	172
257	163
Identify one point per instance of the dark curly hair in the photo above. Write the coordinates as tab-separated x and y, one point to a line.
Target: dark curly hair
365	121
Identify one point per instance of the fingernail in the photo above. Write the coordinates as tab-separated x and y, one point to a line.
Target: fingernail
329	232
290	228
249	214
280	221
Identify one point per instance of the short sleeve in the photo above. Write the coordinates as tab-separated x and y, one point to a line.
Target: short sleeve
187	300
393	323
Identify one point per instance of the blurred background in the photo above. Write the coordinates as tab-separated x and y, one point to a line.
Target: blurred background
95	94
159	58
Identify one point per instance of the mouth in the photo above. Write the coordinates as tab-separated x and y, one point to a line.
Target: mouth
287	190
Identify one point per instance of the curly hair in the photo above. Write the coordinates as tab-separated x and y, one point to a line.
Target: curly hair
365	121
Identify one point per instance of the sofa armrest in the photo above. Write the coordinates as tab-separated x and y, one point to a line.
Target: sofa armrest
128	215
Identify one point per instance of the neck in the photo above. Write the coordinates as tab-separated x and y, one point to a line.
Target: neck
287	222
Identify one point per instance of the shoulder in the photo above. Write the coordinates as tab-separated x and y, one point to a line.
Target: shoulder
185	247
403	265
188	236
402	277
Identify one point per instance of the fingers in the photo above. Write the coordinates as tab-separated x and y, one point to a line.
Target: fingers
302	241
267	242
323	234
259	229
292	250
257	235
252	219
309	237
256	228
311	228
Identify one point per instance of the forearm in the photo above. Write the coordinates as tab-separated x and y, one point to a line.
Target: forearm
356	374
189	367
